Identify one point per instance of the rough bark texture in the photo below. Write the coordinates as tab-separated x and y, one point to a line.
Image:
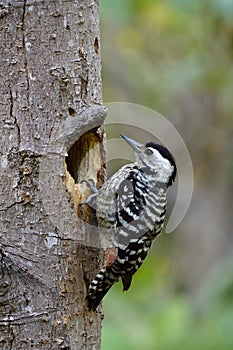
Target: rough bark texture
50	96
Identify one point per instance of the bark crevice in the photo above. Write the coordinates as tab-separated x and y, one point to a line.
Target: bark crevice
12	114
25	51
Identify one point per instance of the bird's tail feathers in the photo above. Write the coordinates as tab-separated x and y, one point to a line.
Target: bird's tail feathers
100	285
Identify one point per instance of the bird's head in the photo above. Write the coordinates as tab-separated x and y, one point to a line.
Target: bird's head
156	158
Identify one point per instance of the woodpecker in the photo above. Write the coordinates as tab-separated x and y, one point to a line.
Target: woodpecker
131	205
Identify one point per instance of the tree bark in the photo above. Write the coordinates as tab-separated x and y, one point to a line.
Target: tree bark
50	105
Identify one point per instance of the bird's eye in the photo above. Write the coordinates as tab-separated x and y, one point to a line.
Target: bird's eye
148	151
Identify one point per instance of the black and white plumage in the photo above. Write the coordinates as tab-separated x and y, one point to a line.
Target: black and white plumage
131	206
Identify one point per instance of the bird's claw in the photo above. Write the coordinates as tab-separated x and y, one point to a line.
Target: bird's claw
91	200
91	184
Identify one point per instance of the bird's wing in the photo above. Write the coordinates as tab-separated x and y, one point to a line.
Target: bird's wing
131	213
106	203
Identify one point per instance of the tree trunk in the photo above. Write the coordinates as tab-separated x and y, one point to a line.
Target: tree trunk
50	105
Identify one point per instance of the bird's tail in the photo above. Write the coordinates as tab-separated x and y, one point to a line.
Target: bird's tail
100	285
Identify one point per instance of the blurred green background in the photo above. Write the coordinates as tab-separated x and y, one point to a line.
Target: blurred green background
176	56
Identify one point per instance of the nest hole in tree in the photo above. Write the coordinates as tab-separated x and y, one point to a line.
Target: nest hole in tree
84	157
84	162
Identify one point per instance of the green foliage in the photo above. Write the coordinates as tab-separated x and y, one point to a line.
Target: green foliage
175	56
154	50
149	317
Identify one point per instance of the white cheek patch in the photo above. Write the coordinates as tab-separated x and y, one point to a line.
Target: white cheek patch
163	165
163	161
159	157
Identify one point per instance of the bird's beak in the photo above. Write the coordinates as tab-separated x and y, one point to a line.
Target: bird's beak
136	146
